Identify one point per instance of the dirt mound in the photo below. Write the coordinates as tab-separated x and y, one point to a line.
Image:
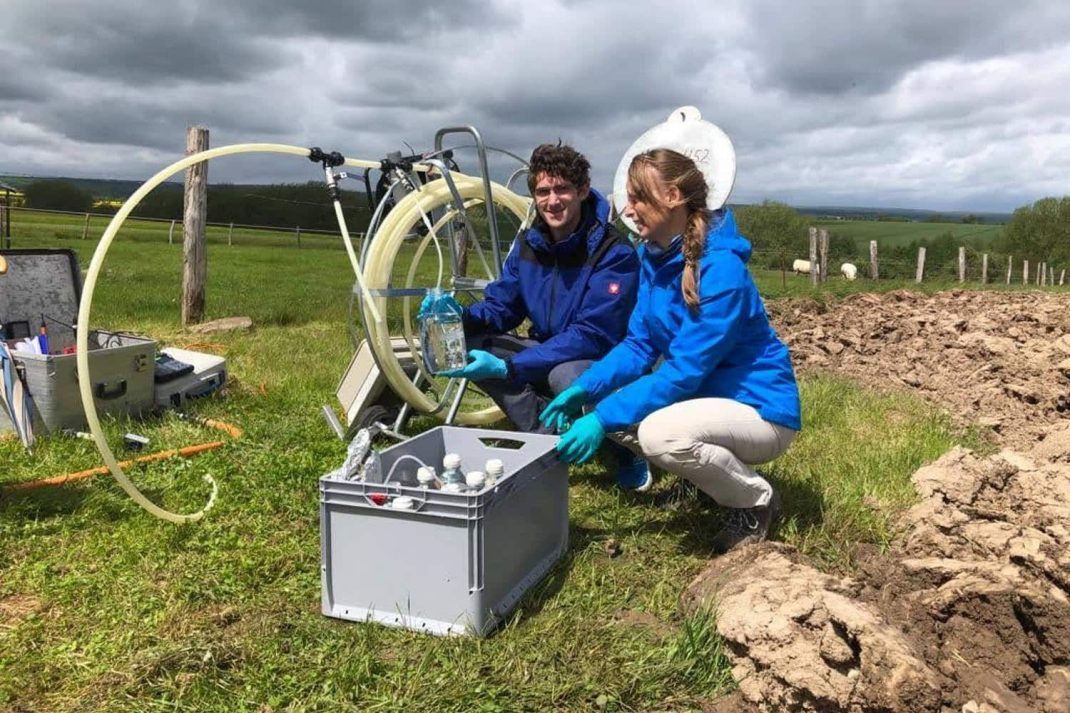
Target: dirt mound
998	358
970	612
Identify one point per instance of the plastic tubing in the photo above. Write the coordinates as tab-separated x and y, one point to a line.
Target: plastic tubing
398	462
377	273
89	288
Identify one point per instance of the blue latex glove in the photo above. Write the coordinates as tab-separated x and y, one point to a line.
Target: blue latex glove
566	406
484	365
425	305
582	440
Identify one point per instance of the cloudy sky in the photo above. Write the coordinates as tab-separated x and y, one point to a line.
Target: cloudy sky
945	105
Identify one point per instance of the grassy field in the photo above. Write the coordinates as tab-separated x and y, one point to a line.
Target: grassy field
891	233
104	608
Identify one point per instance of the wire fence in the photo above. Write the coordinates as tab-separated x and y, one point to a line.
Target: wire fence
29	225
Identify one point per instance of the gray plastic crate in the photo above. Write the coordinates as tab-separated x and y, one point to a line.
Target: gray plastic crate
458	563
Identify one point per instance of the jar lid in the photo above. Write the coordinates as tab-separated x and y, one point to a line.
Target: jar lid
494	466
403	502
452	461
425	474
475	479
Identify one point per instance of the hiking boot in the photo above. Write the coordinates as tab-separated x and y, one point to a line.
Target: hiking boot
743	526
634	473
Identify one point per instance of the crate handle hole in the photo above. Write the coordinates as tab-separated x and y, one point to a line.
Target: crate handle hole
507	443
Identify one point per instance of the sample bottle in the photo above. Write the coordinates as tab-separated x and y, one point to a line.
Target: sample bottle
451	469
475	481
494	469
442	334
425	478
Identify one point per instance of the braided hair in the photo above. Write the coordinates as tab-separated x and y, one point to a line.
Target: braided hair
674	169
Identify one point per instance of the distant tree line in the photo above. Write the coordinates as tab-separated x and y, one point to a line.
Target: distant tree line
281	205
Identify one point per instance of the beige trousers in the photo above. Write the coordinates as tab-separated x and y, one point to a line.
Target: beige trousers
713	443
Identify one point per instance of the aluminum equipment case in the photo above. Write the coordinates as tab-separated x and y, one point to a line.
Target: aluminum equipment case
43	287
208	376
457	563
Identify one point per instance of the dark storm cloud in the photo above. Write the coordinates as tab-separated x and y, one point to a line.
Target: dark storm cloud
370	20
893	102
863	47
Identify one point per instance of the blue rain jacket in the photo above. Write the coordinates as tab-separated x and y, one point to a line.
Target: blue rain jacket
725	349
578	293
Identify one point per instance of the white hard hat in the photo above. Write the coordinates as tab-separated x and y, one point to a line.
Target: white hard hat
686	132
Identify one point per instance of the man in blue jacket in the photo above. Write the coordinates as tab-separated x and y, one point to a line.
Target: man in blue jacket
574	276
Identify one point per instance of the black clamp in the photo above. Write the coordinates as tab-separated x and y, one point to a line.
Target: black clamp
332	159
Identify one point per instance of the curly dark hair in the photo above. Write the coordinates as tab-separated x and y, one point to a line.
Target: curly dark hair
559	160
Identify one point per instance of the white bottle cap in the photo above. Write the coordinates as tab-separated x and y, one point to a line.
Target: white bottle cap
425	475
453	487
494	468
475	479
403	502
452	461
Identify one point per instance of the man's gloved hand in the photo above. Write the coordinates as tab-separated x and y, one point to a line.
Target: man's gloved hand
484	365
582	440
425	304
565	407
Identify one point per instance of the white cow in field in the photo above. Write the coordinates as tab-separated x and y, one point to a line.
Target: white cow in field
801	266
849	271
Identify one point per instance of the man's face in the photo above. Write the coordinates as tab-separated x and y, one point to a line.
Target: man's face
560	204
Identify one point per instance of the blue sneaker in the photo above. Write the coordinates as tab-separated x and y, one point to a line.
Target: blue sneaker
633	473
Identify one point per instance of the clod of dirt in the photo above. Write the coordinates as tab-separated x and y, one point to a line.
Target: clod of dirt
970	610
995	355
801	641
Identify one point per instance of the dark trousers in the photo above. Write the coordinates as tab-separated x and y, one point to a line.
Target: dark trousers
523	402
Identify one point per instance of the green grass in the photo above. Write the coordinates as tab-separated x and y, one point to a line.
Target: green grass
892	233
104	608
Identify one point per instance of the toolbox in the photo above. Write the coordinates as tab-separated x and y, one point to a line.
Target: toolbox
42	288
449	563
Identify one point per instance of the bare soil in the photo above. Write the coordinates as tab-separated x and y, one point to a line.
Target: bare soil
970	610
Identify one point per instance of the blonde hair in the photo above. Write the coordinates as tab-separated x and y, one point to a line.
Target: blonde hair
675	169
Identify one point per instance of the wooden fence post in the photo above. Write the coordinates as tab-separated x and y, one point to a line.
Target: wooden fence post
1009	264
1062	277
1051	276
3	232
874	272
962	264
1025	272
194	215
984	269
813	257
85	227
823	235
171	234
230	233
1043	276
299	237
921	265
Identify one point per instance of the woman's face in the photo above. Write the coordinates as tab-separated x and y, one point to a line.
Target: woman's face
649	209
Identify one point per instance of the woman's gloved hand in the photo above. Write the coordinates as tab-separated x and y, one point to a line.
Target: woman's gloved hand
484	365
566	406
582	440
428	300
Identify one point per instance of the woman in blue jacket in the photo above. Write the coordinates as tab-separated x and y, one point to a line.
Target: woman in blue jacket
723	397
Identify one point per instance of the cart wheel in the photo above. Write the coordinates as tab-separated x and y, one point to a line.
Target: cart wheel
372	414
